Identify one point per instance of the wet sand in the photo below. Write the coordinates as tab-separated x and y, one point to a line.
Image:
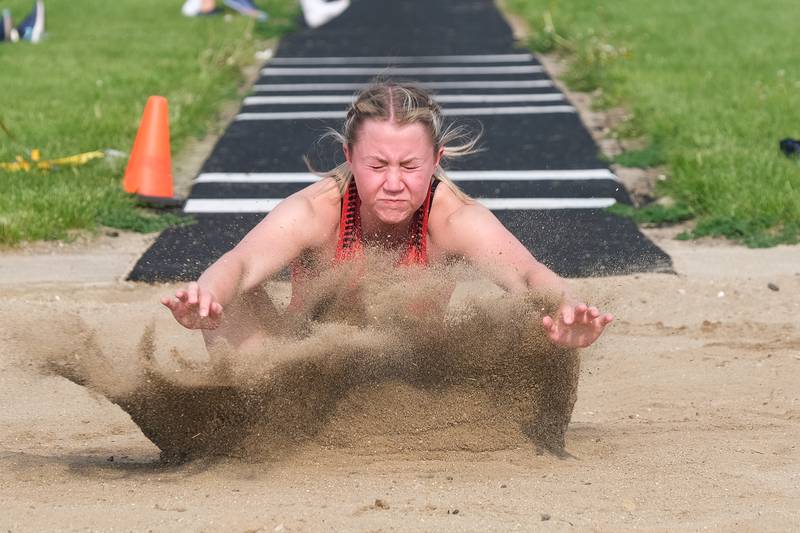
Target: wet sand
687	417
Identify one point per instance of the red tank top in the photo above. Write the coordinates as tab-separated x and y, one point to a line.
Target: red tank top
351	246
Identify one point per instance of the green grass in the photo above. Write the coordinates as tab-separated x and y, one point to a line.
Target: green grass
84	88
650	156
654	214
712	85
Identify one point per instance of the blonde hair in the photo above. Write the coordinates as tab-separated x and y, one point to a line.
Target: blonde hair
403	104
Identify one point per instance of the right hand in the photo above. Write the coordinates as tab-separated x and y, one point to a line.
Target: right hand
195	308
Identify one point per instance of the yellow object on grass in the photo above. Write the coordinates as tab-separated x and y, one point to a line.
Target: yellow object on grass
34	162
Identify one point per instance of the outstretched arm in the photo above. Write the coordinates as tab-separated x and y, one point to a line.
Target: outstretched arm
474	233
277	240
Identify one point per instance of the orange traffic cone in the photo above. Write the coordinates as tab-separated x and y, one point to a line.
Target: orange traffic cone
149	171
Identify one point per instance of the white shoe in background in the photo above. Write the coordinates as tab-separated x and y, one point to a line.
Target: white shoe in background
317	12
192	8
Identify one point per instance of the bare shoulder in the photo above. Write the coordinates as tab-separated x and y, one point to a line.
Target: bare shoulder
321	200
457	224
449	210
307	217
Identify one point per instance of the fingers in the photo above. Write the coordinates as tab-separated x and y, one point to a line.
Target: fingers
191	296
576	326
194	292
208	307
568	314
551	328
600	321
204	301
194	307
171	303
584	314
581	311
579	314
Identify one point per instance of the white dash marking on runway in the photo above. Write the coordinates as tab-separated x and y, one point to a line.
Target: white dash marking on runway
389	60
452	112
522	110
499	204
456	175
264	205
435	85
407	71
442	98
238	205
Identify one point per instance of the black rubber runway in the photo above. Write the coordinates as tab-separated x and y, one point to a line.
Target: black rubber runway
536	152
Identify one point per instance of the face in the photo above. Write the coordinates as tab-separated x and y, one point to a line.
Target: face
392	165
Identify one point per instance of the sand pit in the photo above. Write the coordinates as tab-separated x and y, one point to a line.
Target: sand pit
380	376
686	416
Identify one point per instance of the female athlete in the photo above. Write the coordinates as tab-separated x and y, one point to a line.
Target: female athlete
390	193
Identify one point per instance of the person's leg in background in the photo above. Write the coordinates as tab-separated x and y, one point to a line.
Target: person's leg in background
247	8
8	33
195	8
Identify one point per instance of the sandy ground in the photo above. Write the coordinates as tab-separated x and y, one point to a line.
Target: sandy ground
688	417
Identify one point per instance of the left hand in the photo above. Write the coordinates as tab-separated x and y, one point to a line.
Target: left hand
576	326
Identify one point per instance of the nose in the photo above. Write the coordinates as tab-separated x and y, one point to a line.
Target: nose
394	181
